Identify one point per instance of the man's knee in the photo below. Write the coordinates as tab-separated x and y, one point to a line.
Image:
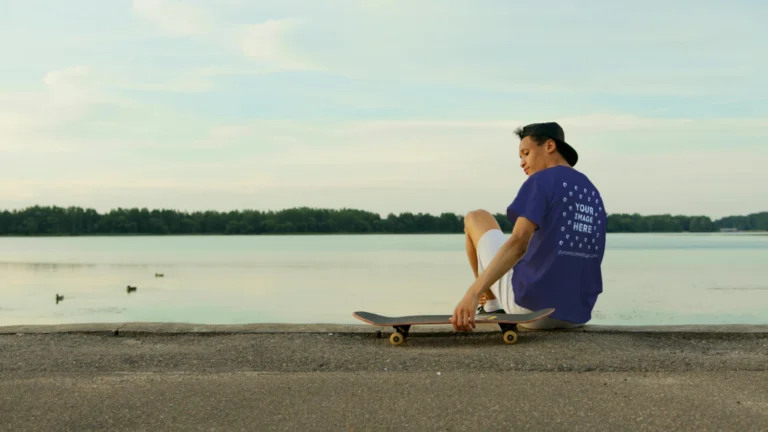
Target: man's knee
476	217
478	222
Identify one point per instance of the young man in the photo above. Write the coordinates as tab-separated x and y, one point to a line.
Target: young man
553	257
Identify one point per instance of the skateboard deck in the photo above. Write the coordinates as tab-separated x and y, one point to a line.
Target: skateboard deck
402	324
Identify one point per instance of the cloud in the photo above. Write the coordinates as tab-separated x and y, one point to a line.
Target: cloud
173	17
621	132
66	77
640	164
25	117
70	91
267	42
77	109
183	83
612	122
609	53
606	52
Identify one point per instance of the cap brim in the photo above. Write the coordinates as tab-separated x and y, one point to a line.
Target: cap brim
569	154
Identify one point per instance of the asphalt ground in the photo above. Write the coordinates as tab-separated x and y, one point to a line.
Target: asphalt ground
309	378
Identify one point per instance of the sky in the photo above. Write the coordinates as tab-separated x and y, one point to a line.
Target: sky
387	106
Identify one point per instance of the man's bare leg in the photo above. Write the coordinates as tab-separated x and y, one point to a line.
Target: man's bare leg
472	256
471	253
477	223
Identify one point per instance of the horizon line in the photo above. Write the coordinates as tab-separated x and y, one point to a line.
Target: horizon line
338	209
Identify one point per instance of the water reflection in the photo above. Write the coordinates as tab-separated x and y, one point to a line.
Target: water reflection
38	266
649	279
739	289
266	263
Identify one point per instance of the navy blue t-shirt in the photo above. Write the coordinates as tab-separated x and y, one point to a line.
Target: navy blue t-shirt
561	268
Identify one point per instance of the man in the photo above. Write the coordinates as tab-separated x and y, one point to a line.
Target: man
553	257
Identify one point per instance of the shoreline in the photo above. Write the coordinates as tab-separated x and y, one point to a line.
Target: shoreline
321	234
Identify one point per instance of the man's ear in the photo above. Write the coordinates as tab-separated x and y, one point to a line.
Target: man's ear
551	146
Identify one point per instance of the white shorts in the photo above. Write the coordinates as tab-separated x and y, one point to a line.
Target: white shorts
487	247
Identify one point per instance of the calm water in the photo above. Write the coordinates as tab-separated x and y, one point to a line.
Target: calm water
649	279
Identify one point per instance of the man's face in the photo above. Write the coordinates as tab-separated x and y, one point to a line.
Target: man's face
534	157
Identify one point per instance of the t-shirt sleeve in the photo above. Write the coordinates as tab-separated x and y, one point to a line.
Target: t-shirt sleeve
531	202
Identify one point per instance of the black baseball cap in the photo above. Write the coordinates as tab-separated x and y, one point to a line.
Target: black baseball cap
554	132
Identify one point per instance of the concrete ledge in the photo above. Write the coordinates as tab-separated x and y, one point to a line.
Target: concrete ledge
181	328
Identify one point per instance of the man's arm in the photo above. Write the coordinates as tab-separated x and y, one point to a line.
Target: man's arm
509	254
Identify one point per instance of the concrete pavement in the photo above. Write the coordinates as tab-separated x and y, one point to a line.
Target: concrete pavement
602	379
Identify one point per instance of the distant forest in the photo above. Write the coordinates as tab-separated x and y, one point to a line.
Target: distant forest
58	221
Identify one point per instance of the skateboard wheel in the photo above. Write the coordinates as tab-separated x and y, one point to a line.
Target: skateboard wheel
396	338
510	337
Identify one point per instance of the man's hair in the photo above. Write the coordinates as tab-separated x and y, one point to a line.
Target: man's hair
538	139
540	133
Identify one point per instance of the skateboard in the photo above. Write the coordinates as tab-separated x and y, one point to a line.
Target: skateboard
402	324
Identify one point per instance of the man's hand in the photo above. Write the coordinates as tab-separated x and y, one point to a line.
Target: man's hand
463	318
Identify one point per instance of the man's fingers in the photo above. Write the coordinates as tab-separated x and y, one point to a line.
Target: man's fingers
466	321
463	320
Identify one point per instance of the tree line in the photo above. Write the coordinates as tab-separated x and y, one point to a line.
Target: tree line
60	221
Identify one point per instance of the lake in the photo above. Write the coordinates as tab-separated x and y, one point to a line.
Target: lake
648	278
